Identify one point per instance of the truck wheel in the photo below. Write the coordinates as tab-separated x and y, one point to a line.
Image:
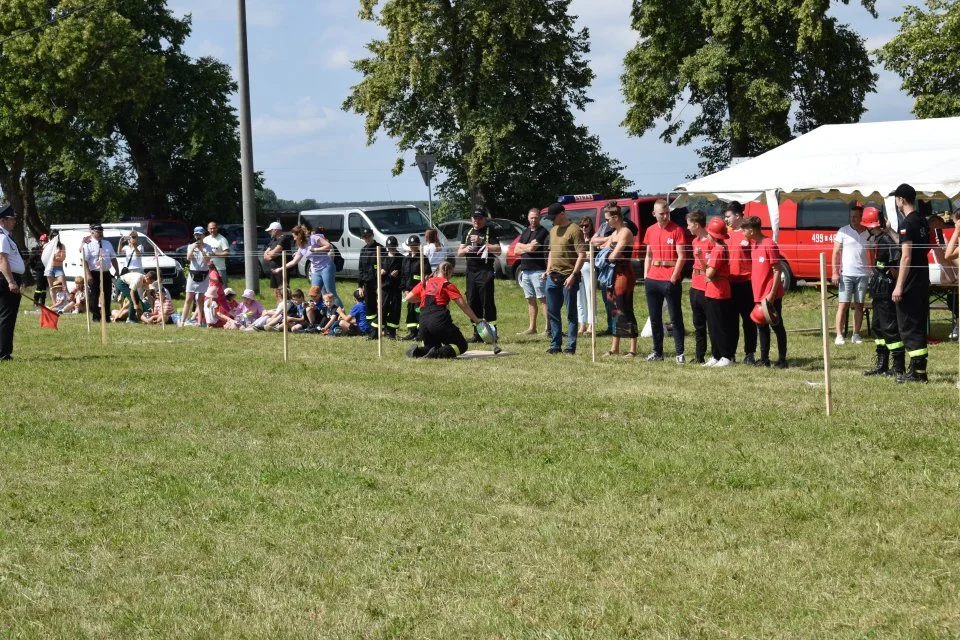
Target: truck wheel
786	276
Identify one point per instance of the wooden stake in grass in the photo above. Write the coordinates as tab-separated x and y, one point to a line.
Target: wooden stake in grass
825	331
283	261
593	304
163	319
379	307
103	304
86	286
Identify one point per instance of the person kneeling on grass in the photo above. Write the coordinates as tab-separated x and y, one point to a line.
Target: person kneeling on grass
441	338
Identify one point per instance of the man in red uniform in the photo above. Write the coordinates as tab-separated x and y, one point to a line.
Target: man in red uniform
741	290
663	278
767	285
721	318
696	225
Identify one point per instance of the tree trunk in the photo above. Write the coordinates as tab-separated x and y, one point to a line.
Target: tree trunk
31	216
10	182
153	198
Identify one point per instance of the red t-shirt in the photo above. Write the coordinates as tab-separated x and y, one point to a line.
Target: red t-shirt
700	262
719	259
765	255
662	245
740	262
442	291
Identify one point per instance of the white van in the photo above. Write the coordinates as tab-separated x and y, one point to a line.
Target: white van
72	235
343	227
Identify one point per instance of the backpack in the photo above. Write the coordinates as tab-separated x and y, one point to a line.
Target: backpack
337	259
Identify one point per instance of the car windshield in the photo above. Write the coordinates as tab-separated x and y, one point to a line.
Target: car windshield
508	231
393	221
170	230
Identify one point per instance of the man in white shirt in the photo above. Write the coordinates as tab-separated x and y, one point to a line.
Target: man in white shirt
98	256
220	247
851	271
11	277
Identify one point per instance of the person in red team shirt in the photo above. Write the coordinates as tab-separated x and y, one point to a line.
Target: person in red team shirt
696	225
441	338
721	318
767	285
663	278
740	289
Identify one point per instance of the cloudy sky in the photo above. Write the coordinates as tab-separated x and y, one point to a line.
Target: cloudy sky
300	53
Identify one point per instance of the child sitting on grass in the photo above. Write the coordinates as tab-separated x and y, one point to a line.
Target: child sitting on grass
331	314
355	323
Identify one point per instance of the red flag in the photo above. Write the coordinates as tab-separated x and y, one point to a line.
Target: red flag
48	318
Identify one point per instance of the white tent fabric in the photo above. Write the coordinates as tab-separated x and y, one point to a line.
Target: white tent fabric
859	160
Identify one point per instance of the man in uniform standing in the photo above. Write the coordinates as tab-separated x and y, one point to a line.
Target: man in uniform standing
886	255
912	291
663	278
11	278
480	245
98	255
367	279
562	276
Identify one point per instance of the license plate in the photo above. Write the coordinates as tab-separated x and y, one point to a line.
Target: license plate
168	281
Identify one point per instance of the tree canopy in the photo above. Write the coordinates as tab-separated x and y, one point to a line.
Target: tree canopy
489	86
926	54
102	114
746	69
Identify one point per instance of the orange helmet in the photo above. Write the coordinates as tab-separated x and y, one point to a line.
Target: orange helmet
717	228
871	218
757	315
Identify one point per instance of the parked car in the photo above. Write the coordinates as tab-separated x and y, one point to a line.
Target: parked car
453	233
344	225
72	235
167	233
234	235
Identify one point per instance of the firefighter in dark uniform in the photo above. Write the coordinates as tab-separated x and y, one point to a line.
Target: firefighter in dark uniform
410	276
912	291
392	265
885	256
367	279
480	246
441	338
11	279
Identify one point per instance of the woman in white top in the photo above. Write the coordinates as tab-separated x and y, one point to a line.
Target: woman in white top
434	252
133	252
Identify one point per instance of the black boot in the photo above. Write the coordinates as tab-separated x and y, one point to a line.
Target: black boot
416	351
917	372
883	362
897	368
446	351
410	336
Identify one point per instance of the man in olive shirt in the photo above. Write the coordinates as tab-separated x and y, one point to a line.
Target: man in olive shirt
566	255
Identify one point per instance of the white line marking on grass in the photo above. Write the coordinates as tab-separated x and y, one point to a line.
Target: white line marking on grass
156	341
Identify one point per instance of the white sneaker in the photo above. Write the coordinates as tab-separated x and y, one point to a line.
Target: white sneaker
856	339
681	359
724	362
839	340
712	362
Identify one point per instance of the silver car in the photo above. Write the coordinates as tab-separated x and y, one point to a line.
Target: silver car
455	231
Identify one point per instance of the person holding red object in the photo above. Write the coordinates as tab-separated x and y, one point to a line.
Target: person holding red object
767	283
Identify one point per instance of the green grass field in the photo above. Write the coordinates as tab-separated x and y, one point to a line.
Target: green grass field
189	483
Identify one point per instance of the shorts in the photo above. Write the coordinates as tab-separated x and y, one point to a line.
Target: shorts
853	289
197	287
532	285
53	272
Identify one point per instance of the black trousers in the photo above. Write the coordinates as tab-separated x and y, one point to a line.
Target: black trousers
742	295
912	314
781	333
436	332
480	295
722	325
9	310
94	286
413	317
698	308
370	300
884	323
391	307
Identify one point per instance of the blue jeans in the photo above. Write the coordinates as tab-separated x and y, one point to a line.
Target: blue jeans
326	279
557	296
657	292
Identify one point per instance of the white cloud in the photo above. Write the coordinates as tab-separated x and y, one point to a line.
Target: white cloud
336	59
264	16
208	48
302	118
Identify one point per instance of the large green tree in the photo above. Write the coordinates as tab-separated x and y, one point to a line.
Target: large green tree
751	73
926	54
489	86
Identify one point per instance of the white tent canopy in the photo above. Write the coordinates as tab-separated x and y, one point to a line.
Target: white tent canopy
858	160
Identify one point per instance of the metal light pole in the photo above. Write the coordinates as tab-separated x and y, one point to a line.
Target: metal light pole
250	259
